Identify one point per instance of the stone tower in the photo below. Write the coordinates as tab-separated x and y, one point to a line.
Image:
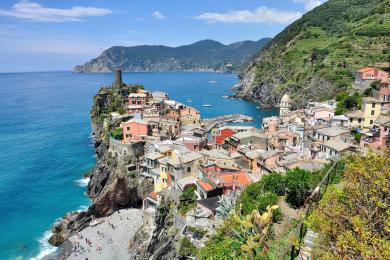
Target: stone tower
285	105
118	76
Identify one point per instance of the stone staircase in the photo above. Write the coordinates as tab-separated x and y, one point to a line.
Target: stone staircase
306	250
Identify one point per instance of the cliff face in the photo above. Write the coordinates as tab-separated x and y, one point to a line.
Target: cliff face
110	187
199	56
316	57
156	244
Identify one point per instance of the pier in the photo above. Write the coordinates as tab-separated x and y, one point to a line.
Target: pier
210	123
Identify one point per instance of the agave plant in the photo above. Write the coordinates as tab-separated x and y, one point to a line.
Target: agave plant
225	205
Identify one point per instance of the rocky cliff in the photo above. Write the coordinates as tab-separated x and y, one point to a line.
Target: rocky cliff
316	57
110	187
200	56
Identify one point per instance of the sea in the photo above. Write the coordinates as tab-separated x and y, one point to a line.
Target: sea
45	144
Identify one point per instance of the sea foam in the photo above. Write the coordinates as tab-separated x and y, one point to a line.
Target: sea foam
45	248
83	182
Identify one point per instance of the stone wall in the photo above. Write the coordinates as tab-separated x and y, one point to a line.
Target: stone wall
122	150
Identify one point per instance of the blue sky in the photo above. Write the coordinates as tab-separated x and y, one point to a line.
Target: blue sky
41	35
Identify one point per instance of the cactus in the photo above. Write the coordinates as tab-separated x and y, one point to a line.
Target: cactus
253	230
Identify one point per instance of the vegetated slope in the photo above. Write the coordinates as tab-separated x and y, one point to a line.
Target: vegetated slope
201	55
316	56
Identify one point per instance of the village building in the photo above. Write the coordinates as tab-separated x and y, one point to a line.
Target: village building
378	136
365	76
285	105
251	139
134	130
333	149
364	118
332	133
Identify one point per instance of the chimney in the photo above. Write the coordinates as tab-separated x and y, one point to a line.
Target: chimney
118	76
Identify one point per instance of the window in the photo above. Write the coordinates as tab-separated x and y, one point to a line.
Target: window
328	138
371	121
351	120
372	112
359	120
188	169
385	129
373	105
128	128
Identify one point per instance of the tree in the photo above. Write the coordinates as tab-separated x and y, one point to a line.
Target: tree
274	182
298	186
353	219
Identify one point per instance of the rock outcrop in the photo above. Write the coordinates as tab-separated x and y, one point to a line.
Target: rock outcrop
110	187
156	244
317	56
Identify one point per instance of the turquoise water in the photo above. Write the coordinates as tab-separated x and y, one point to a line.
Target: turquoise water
45	143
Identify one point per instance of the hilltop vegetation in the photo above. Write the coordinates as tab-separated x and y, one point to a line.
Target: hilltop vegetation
316	56
201	55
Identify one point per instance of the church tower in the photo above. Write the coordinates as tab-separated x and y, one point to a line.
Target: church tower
285	105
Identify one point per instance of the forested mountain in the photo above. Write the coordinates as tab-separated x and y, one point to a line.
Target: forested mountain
199	56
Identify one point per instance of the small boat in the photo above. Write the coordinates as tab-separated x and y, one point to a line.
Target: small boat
189	100
213	82
225	96
238	121
205	104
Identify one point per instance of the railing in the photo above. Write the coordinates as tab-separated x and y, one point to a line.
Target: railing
314	197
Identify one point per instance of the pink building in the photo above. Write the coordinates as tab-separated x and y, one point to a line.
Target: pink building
384	95
137	102
365	76
323	113
134	130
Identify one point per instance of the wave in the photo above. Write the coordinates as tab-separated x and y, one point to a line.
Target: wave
82	208
45	248
83	182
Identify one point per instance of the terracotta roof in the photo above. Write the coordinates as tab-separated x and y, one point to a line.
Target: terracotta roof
365	69
229	179
205	185
153	195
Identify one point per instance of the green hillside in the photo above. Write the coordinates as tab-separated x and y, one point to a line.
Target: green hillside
201	55
316	56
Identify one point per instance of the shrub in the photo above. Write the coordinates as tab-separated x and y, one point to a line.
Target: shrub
187	200
186	248
117	133
298	186
358	137
274	182
352	219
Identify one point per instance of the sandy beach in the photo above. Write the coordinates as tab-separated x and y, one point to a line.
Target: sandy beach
107	240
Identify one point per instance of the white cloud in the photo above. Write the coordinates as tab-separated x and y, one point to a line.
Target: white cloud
158	15
36	12
309	4
259	15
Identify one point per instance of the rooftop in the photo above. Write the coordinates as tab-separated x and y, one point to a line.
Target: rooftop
335	145
205	185
333	131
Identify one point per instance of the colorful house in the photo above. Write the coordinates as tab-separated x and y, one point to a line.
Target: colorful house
364	118
365	76
134	130
219	138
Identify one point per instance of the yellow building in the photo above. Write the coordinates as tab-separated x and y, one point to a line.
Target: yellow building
365	117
